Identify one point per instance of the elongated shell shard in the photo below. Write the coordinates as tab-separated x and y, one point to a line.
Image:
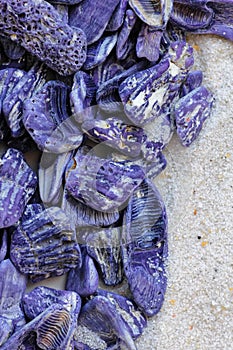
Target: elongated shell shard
144	247
17	185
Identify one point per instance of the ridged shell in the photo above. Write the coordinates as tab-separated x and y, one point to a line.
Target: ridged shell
46	118
12	50
13	102
144	247
92	17
99	51
124	42
103	245
155	13
40	237
17	184
85	279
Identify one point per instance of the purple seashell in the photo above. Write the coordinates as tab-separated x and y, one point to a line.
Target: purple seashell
99	51
148	43
82	96
3	244
101	317
104	246
51	175
107	70
92	18
54	329
63	11
61	47
134	320
103	184
118	15
46	118
201	16
82	215
115	133
41	236
193	81
155	167
124	44
41	298
190	113
85	279
181	54
11	49
12	287
6	329
143	93
144	247
107	95
17	185
13	103
154	13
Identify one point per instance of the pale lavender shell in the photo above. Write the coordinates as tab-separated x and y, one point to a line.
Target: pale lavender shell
17	185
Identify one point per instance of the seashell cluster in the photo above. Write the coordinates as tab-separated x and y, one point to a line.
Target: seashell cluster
91	93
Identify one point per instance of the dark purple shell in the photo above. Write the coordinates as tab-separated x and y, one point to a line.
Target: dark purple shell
46	119
117	18
101	317
144	247
103	184
92	17
124	44
17	185
13	50
190	113
83	280
13	102
134	319
103	245
48	38
12	288
41	237
40	298
148	43
193	81
3	244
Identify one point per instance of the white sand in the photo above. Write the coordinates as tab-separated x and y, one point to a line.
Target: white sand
198	309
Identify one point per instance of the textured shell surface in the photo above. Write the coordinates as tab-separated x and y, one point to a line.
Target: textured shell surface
144	247
117	18
83	280
100	316
17	185
13	102
153	12
148	43
193	81
40	237
124	42
99	51
54	330
190	113
92	17
40	298
3	244
13	50
84	216
47	37
104	246
47	119
134	319
12	288
103	184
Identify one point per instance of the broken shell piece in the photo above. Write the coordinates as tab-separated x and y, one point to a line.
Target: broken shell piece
17	185
190	113
101	317
3	244
103	245
144	247
46	119
41	298
41	236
